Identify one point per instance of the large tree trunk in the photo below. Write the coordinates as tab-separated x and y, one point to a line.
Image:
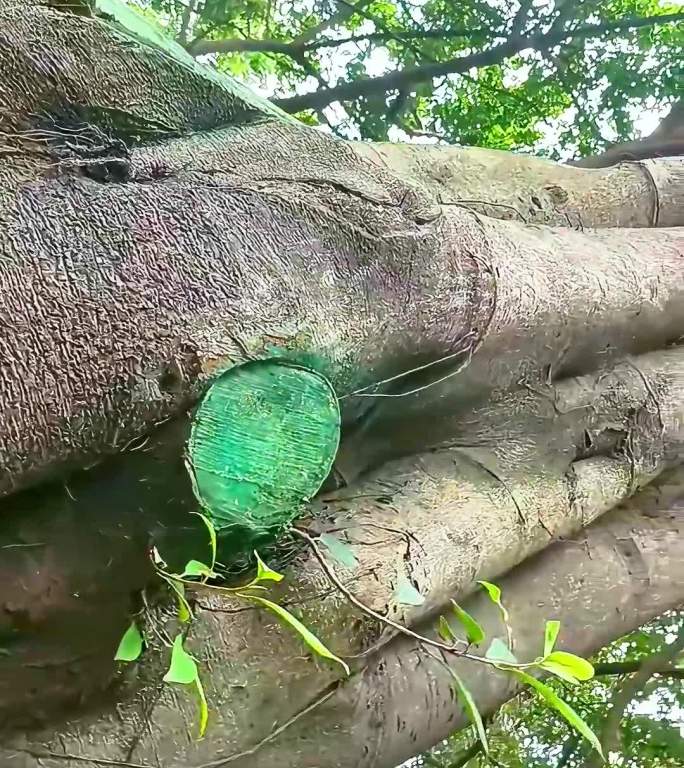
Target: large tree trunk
156	225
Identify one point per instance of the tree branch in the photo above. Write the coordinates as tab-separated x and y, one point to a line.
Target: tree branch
203	47
380	37
467	755
610	735
186	19
609	668
666	141
343	13
406	78
520	19
296	47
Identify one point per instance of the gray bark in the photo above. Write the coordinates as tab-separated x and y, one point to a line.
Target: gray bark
611	578
145	244
645	193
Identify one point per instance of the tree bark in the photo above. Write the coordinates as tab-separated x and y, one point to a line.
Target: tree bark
666	140
616	575
502	385
647	193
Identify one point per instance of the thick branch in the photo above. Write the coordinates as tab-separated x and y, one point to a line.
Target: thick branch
666	141
618	668
535	191
400	701
344	11
406	78
295	49
202	47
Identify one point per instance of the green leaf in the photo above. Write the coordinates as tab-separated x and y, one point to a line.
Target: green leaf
406	593
203	708
445	631
562	707
492	590
472	710
212	536
474	632
264	573
494	593
196	568
183	669
498	651
184	610
559	671
577	666
307	636
131	644
551	631
339	550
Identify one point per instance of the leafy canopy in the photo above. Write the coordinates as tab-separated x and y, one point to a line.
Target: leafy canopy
480	72
526	733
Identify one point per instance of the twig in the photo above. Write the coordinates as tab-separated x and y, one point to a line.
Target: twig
274	733
363	391
39	755
330	573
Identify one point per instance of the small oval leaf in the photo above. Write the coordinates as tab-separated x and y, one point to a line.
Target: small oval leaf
559	671
264	573
474	632
577	666
183	669
494	593
498	651
406	593
339	550
445	631
131	644
492	590
197	568
551	631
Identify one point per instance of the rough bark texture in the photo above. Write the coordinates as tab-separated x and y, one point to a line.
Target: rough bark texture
145	244
615	576
214	245
648	193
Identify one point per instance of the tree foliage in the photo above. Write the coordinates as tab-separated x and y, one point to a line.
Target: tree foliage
525	734
480	72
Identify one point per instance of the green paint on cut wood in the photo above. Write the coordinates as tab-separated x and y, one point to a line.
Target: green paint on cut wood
263	440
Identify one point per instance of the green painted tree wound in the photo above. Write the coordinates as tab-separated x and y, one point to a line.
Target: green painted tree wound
263	440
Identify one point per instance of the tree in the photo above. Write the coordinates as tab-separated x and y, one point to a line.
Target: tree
160	223
474	73
633	676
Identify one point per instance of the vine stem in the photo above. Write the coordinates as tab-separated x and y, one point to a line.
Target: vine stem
317	702
330	573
